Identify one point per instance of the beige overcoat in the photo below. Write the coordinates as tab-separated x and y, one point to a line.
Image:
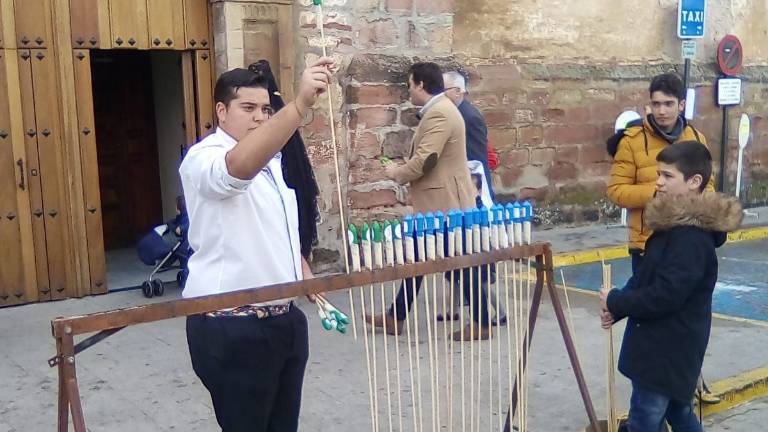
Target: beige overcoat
437	168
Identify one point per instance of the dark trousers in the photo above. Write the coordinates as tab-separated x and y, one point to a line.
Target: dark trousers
253	368
478	292
648	410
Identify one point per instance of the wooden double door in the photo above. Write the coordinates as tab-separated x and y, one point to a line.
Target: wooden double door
51	216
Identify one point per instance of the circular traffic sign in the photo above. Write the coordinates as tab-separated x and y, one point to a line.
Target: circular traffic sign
730	55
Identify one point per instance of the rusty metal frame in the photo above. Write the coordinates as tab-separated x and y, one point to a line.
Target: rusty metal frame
110	322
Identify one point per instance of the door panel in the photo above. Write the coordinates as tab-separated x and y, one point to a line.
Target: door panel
129	180
166	24
128	21
196	24
29	127
90	166
90	23
49	147
17	260
33	24
188	85
203	93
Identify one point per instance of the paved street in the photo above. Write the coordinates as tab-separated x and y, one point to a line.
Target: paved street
141	379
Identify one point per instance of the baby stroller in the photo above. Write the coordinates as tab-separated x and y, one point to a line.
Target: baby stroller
165	247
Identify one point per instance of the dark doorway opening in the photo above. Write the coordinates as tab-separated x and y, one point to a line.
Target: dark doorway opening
138	108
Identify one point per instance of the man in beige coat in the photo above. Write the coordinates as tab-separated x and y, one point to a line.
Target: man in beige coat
438	177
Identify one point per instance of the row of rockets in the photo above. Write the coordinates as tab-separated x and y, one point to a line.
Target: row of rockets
418	237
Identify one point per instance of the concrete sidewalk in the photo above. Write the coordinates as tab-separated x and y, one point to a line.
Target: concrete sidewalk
141	379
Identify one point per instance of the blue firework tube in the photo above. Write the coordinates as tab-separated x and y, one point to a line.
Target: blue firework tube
485	229
517	219
421	226
527	221
451	233
429	235
476	239
468	221
497	222
440	234
509	222
408	232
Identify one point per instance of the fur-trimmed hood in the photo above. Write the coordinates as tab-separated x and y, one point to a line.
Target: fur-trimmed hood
709	211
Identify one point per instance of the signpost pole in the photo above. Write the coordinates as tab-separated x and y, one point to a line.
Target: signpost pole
723	151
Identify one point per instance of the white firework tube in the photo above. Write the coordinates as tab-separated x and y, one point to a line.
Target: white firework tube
430	245
485	237
476	239
367	253
354	251
518	233
495	240
452	243
467	241
378	255
398	243
439	242
527	231
410	256
429	239
510	225
389	247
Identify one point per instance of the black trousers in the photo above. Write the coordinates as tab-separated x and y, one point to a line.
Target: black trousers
253	368
477	290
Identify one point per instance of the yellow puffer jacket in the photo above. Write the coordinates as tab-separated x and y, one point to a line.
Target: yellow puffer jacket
633	175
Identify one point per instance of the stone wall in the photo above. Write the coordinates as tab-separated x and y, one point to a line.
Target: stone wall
550	76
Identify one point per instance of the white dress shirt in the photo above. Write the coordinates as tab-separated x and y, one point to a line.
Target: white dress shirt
244	233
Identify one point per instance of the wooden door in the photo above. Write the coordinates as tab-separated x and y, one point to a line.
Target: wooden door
51	159
33	23
126	143
128	22
90	23
89	161
196	24
203	93
188	87
17	259
29	127
166	24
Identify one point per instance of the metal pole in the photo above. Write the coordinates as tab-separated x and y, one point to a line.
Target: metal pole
723	151
686	73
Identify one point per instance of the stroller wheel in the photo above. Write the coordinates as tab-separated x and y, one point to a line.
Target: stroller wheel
159	287
146	289
180	278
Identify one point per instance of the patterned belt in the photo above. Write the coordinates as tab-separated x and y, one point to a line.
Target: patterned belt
249	310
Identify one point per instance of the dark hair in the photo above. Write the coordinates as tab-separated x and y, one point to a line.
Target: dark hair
430	75
231	81
669	84
297	170
690	158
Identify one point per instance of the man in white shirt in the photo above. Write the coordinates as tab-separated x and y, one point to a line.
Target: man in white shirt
244	233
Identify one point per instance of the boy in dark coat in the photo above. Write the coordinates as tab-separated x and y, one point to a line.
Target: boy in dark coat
668	304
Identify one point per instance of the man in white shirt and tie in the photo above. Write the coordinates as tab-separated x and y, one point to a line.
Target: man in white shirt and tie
244	233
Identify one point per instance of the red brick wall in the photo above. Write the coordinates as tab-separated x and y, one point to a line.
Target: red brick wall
548	123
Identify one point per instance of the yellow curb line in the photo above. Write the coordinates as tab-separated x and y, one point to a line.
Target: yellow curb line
738	390
616	252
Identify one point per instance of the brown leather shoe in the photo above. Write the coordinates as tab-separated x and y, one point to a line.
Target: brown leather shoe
479	333
393	327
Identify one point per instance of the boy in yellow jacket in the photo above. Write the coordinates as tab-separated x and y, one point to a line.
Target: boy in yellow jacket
633	174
